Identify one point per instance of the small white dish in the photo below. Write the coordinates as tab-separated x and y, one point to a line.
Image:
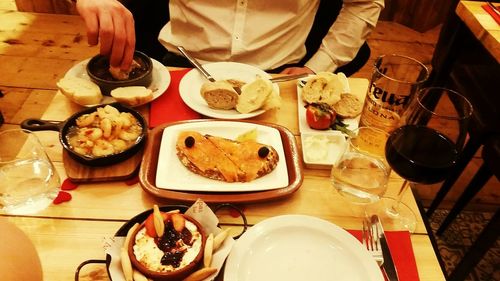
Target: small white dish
190	85
322	150
159	83
173	175
298	247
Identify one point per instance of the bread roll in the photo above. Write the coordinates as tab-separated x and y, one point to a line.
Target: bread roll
132	95
254	95
219	94
80	90
325	87
349	106
120	74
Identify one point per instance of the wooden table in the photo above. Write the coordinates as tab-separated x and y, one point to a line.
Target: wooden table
35	51
481	24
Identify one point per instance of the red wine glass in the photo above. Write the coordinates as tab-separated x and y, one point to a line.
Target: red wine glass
426	145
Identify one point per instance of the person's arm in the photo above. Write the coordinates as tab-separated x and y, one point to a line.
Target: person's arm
111	24
350	30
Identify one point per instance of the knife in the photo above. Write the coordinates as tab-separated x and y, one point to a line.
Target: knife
388	266
288	77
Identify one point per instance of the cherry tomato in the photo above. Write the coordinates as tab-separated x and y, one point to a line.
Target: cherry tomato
319	116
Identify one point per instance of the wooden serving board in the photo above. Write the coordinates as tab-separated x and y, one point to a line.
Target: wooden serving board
80	173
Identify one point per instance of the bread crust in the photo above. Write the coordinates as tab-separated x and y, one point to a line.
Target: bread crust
132	95
80	90
219	94
325	87
224	159
349	106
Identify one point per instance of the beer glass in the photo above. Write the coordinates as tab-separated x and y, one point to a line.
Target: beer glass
394	81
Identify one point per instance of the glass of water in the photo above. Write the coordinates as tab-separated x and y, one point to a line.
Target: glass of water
28	179
361	174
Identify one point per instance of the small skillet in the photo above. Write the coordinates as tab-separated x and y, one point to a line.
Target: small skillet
63	128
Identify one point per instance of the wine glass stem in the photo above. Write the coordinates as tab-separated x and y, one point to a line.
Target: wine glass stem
394	209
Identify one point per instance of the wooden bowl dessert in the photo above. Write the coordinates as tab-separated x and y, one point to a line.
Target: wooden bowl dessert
98	70
174	255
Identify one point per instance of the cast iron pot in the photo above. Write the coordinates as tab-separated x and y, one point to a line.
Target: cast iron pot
97	69
64	126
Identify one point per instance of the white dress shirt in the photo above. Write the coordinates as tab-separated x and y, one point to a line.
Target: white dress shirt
266	33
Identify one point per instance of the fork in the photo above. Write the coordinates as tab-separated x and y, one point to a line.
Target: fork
200	68
372	242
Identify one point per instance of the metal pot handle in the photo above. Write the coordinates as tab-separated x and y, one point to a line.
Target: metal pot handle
41	125
234	207
77	272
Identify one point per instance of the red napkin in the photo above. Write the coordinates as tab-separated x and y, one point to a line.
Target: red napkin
401	251
169	107
490	11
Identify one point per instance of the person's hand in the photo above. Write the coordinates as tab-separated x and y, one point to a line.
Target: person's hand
111	24
297	70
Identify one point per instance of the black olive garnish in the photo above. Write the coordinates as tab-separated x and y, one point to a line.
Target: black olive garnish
263	152
189	142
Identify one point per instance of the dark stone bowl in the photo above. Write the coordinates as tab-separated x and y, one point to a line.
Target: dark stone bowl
98	71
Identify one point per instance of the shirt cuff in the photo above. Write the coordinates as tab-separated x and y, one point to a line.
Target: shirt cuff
321	61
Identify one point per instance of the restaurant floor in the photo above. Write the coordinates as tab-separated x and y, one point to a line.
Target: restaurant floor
460	235
388	38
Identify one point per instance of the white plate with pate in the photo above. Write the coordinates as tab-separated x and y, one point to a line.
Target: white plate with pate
190	85
298	247
175	176
159	83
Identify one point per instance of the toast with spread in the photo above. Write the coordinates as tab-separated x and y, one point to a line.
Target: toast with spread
225	159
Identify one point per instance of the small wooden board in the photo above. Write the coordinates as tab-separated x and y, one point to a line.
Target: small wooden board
81	173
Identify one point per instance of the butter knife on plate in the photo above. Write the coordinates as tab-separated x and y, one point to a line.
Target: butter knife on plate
388	266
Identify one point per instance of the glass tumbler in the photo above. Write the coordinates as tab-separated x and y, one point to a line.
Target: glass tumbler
361	174
28	179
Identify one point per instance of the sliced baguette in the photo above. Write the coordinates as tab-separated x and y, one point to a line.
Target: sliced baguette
254	95
349	106
132	95
325	87
219	94
80	90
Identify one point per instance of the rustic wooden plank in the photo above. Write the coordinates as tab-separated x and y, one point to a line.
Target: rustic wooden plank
47	6
26	71
60	46
394	38
19	104
8	5
57	24
482	25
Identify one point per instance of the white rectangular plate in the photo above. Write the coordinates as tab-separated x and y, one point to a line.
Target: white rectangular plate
172	174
